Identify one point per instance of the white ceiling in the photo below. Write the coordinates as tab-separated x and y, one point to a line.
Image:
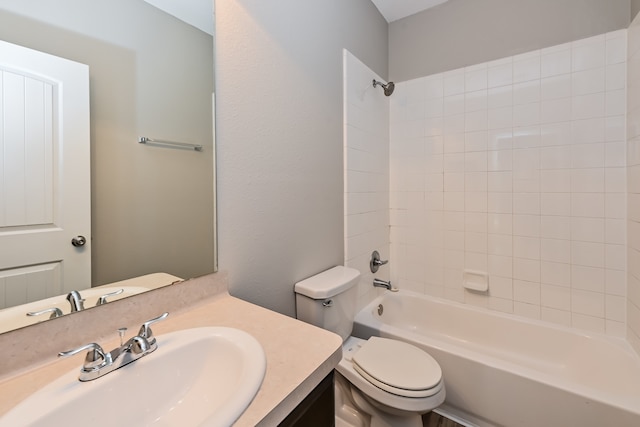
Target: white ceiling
393	10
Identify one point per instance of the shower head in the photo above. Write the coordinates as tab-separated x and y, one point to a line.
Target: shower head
388	88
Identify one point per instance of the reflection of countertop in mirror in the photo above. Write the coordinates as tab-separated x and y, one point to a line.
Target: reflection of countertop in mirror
16	317
299	356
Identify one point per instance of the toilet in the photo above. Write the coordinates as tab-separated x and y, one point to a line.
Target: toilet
380	382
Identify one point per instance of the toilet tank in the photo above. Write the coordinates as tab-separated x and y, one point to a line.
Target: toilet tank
328	299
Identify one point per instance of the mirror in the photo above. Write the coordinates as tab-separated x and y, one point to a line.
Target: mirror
151	75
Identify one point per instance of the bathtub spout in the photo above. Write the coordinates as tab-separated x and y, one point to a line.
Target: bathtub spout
379	283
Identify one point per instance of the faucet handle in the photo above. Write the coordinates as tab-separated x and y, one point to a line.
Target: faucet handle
103	298
145	329
95	355
375	262
55	312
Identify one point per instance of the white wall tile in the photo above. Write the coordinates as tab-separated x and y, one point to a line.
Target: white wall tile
500	223
587	205
590	323
527	68
555	227
555	87
474	101
555	180
475	78
588	131
615	154
555	63
527	114
590	180
500	75
453	105
527	292
616	49
434	86
528	181
500	97
453	82
587	303
616	76
588	106
557	297
499	118
588	81
554	273
499	177
555	250
587	278
587	54
560	317
615	102
555	110
531	311
555	204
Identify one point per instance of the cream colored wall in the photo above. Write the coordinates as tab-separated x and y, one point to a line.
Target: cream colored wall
280	132
459	33
152	208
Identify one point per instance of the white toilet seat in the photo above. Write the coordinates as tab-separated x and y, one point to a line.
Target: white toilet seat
389	396
397	367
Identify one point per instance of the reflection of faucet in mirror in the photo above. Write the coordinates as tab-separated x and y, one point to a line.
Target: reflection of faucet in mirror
50	308
103	298
54	311
76	301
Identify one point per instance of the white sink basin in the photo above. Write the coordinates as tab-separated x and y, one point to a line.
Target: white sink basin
196	377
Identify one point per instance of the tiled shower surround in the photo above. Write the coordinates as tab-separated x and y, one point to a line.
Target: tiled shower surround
517	168
633	180
366	173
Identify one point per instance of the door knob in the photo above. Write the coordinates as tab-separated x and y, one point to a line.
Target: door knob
78	241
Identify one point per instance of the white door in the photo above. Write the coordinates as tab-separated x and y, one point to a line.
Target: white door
45	197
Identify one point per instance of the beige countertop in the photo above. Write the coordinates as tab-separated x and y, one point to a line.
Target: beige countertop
298	355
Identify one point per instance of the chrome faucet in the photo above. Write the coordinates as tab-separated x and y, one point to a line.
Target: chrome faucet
98	363
76	301
379	283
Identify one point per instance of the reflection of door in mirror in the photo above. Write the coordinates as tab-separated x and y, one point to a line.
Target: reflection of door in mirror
44	176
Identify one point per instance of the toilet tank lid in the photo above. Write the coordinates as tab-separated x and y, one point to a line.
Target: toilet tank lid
328	283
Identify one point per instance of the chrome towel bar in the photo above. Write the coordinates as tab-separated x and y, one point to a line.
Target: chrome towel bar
144	140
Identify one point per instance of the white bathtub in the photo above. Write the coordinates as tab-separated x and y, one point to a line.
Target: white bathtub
502	370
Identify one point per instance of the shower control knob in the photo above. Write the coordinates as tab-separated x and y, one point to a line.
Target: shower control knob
376	262
78	241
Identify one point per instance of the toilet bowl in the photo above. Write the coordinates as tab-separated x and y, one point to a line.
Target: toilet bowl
380	382
397	380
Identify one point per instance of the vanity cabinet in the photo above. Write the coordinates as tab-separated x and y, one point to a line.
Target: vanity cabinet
317	409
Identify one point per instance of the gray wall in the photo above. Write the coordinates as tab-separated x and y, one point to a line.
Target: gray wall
151	75
466	32
635	8
279	134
